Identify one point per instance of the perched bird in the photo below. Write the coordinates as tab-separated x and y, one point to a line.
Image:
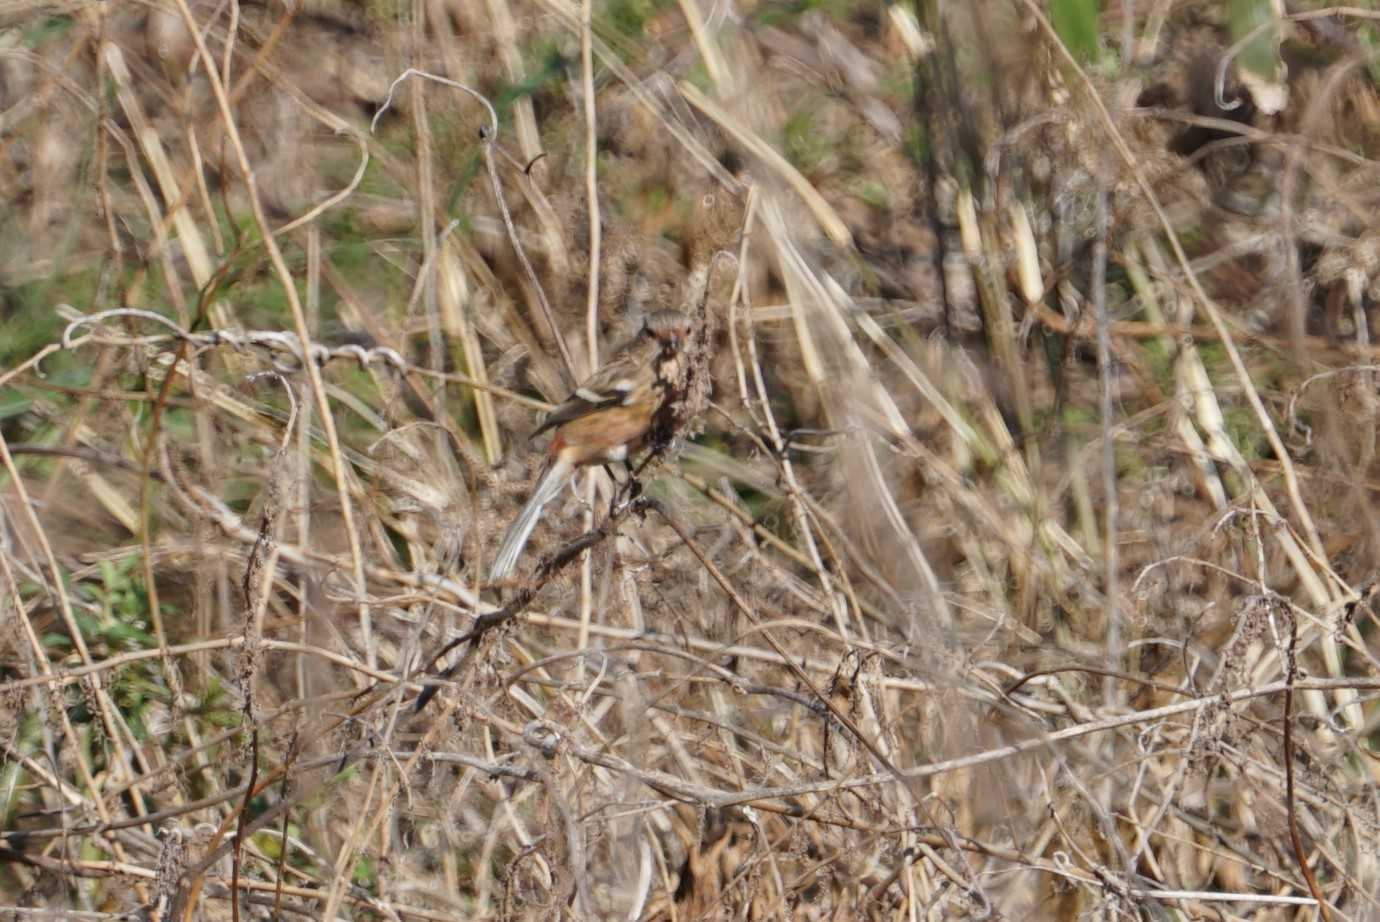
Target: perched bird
627	404
609	417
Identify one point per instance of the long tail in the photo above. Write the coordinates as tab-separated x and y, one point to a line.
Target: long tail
552	479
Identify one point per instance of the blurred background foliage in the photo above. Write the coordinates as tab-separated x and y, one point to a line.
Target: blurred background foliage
1040	461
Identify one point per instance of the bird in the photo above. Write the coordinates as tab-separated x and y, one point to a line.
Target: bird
611	416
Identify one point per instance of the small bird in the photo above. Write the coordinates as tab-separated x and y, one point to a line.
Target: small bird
609	417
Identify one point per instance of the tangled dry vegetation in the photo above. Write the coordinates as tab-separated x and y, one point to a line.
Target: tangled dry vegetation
1020	563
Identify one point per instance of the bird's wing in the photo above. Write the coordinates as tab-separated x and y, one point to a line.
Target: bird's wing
609	386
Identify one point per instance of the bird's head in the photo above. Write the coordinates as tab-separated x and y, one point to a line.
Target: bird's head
669	328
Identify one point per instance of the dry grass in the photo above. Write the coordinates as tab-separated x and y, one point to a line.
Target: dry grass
1016	559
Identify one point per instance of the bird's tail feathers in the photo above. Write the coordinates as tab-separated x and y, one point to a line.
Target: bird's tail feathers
552	479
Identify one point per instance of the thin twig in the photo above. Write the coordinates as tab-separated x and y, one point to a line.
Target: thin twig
489	136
